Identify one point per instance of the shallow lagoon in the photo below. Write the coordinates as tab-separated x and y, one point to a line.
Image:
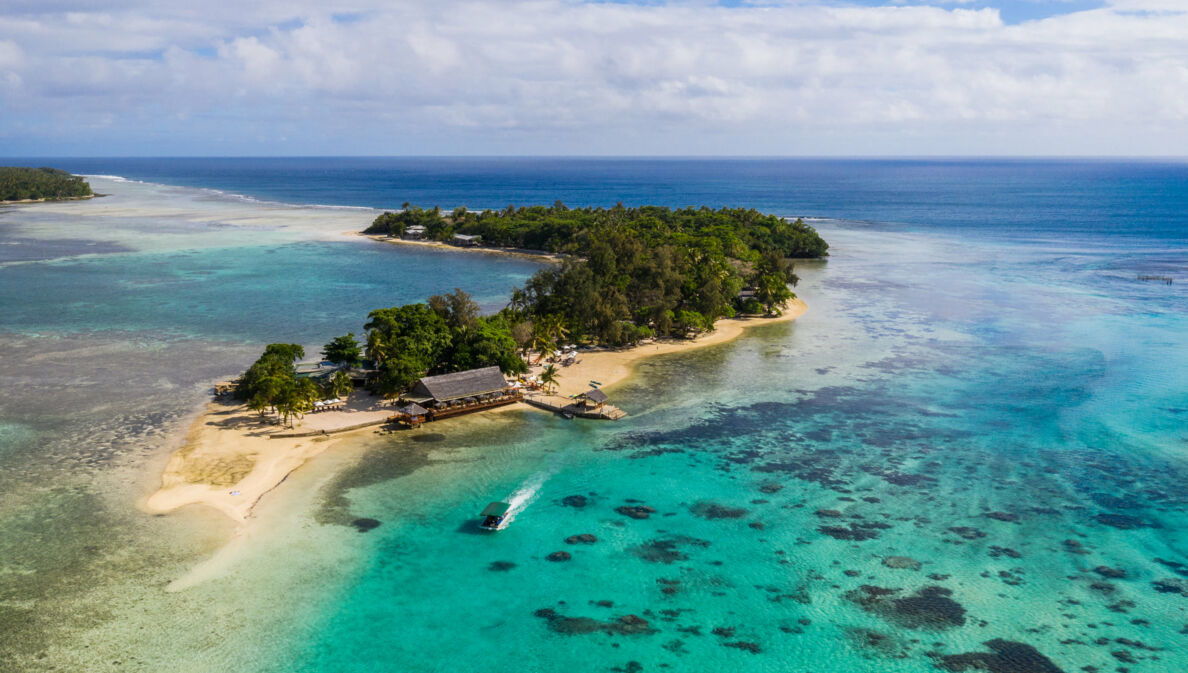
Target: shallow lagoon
964	441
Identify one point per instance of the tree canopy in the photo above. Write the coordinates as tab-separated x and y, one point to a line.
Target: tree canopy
629	273
343	350
20	183
741	233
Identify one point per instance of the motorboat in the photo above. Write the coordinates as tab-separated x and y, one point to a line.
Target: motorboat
493	515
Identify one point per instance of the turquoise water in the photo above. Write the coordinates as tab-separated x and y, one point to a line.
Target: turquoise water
969	454
1006	448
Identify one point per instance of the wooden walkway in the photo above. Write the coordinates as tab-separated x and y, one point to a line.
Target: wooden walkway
563	405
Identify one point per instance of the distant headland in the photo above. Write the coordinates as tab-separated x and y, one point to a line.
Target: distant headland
19	184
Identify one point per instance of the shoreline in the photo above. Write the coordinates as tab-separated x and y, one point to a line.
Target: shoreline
522	253
230	461
47	199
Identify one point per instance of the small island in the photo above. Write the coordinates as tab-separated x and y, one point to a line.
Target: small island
628	284
29	185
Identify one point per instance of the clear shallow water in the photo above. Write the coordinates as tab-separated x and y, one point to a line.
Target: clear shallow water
1003	408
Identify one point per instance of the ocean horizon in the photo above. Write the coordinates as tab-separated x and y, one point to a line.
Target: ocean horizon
968	454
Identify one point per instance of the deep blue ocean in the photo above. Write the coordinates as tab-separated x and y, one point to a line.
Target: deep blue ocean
1142	199
969	454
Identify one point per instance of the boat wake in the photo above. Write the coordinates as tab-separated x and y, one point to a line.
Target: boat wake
529	491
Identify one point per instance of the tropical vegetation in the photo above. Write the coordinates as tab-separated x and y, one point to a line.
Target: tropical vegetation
21	183
632	273
627	274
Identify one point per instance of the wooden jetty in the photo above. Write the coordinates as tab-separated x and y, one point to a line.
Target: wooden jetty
576	407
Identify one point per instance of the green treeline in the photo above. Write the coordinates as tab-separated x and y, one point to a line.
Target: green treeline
445	335
741	233
18	184
403	344
633	273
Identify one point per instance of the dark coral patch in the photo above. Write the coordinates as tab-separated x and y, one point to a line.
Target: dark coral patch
635	511
1009	517
1123	521
364	525
996	551
559	556
1112	573
500	566
1178	568
1171	585
753	648
928	608
584	538
1004	657
967	532
712	510
626	625
578	501
856	532
667	550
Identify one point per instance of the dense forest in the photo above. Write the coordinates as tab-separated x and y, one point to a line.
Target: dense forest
741	233
18	184
633	273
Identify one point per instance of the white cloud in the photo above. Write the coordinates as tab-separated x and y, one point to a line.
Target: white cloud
556	76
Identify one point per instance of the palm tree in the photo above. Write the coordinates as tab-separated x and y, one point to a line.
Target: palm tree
340	384
259	403
377	348
553	326
296	398
549	377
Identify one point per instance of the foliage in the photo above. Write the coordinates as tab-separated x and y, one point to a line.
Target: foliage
338	385
741	233
343	350
271	382
456	308
629	273
549	377
405	342
395	224
19	183
265	376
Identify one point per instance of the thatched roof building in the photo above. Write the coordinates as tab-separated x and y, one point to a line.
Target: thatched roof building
458	385
595	396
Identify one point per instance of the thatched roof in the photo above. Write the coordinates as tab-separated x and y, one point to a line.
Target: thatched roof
459	384
412	409
595	395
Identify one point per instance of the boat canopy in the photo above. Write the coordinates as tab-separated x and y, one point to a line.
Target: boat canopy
496	509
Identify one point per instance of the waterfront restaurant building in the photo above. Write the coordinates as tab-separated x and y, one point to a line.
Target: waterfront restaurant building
461	392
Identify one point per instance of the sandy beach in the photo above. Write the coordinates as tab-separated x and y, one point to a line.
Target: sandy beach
228	460
510	252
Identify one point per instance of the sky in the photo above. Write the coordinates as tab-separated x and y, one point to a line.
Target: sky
572	77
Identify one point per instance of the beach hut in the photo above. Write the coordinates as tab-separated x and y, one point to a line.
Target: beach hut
414	233
467	241
412	414
593	398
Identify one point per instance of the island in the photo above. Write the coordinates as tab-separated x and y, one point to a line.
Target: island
627	284
20	184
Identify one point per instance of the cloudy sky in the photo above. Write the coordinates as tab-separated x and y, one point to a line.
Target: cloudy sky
563	77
